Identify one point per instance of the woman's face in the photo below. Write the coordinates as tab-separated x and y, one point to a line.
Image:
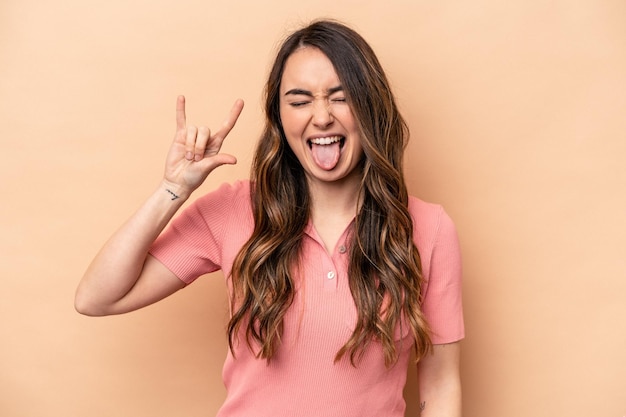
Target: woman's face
316	118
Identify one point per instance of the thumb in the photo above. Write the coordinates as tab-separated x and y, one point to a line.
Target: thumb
215	161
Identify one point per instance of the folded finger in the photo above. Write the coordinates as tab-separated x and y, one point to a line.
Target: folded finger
190	142
202	138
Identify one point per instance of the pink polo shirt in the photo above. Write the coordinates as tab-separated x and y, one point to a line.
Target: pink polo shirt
302	379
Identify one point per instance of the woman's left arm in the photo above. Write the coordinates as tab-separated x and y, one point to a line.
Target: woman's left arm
440	382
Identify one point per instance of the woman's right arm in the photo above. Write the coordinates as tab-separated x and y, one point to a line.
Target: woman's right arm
124	276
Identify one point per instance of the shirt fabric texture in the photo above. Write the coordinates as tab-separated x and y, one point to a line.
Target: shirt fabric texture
303	379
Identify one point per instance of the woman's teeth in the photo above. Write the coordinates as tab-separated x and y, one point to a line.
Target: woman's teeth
326	141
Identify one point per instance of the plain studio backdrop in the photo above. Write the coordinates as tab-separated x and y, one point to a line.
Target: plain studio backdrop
518	117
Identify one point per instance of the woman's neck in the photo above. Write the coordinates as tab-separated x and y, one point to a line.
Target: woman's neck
333	207
340	197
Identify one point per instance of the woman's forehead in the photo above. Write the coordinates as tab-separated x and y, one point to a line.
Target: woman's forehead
310	69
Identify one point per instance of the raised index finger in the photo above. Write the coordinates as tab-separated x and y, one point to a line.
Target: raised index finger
230	121
181	119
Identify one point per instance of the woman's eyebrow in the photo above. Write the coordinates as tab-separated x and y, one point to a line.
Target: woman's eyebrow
302	92
334	90
299	92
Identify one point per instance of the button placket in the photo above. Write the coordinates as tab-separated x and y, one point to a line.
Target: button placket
338	258
330	276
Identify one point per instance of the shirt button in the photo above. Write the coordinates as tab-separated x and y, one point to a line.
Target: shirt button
330	275
342	249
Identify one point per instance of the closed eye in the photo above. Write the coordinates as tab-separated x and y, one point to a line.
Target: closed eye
299	103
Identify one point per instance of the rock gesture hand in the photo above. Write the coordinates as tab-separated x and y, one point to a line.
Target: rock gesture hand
195	151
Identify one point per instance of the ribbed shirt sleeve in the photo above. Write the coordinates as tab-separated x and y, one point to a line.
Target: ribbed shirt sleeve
442	304
192	244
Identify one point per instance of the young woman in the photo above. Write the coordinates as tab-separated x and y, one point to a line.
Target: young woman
334	272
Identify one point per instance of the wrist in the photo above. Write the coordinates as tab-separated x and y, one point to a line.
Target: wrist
174	191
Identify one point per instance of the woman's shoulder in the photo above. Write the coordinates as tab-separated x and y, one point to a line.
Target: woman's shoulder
424	211
236	187
429	219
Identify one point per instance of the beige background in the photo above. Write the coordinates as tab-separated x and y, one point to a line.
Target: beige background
517	111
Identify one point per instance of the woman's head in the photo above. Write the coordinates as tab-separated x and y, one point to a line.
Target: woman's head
364	84
317	121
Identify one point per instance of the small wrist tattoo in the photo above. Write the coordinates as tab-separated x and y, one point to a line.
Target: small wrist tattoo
174	196
422	406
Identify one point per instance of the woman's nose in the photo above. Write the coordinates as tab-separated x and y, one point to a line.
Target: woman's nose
322	114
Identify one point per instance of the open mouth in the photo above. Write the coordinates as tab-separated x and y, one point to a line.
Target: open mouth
326	151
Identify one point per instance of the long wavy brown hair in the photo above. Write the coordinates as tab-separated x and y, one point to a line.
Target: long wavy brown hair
384	271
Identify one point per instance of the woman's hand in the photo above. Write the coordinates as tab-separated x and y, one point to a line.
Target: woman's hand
195	151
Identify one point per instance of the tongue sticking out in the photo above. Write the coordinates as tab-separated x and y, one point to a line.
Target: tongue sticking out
326	156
